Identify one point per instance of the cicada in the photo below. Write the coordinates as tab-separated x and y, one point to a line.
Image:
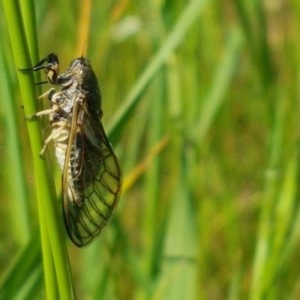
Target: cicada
91	176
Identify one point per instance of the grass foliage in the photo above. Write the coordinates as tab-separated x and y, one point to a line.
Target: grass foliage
201	104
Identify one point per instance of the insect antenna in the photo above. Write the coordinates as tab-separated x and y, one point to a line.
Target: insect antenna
83	48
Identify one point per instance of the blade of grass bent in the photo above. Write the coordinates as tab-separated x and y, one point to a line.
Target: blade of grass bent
223	76
186	20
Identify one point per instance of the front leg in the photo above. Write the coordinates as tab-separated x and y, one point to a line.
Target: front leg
41	113
49	94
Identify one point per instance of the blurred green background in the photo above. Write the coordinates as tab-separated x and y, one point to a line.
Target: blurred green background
201	104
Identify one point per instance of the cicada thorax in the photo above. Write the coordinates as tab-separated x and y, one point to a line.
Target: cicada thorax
91	180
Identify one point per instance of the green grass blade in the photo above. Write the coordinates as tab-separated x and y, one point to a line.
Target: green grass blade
21	271
18	204
54	250
264	236
220	84
179	264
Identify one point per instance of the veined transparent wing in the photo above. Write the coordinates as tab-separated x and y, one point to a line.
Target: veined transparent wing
91	177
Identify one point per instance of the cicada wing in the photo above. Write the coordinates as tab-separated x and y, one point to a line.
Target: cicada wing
91	182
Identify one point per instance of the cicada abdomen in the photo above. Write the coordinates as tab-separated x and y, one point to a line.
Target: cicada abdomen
91	176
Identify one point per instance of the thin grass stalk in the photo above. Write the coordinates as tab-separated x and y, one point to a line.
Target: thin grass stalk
45	189
264	235
27	12
283	226
221	81
19	204
152	180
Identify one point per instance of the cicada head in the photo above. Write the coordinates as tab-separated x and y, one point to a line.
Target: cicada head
51	66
